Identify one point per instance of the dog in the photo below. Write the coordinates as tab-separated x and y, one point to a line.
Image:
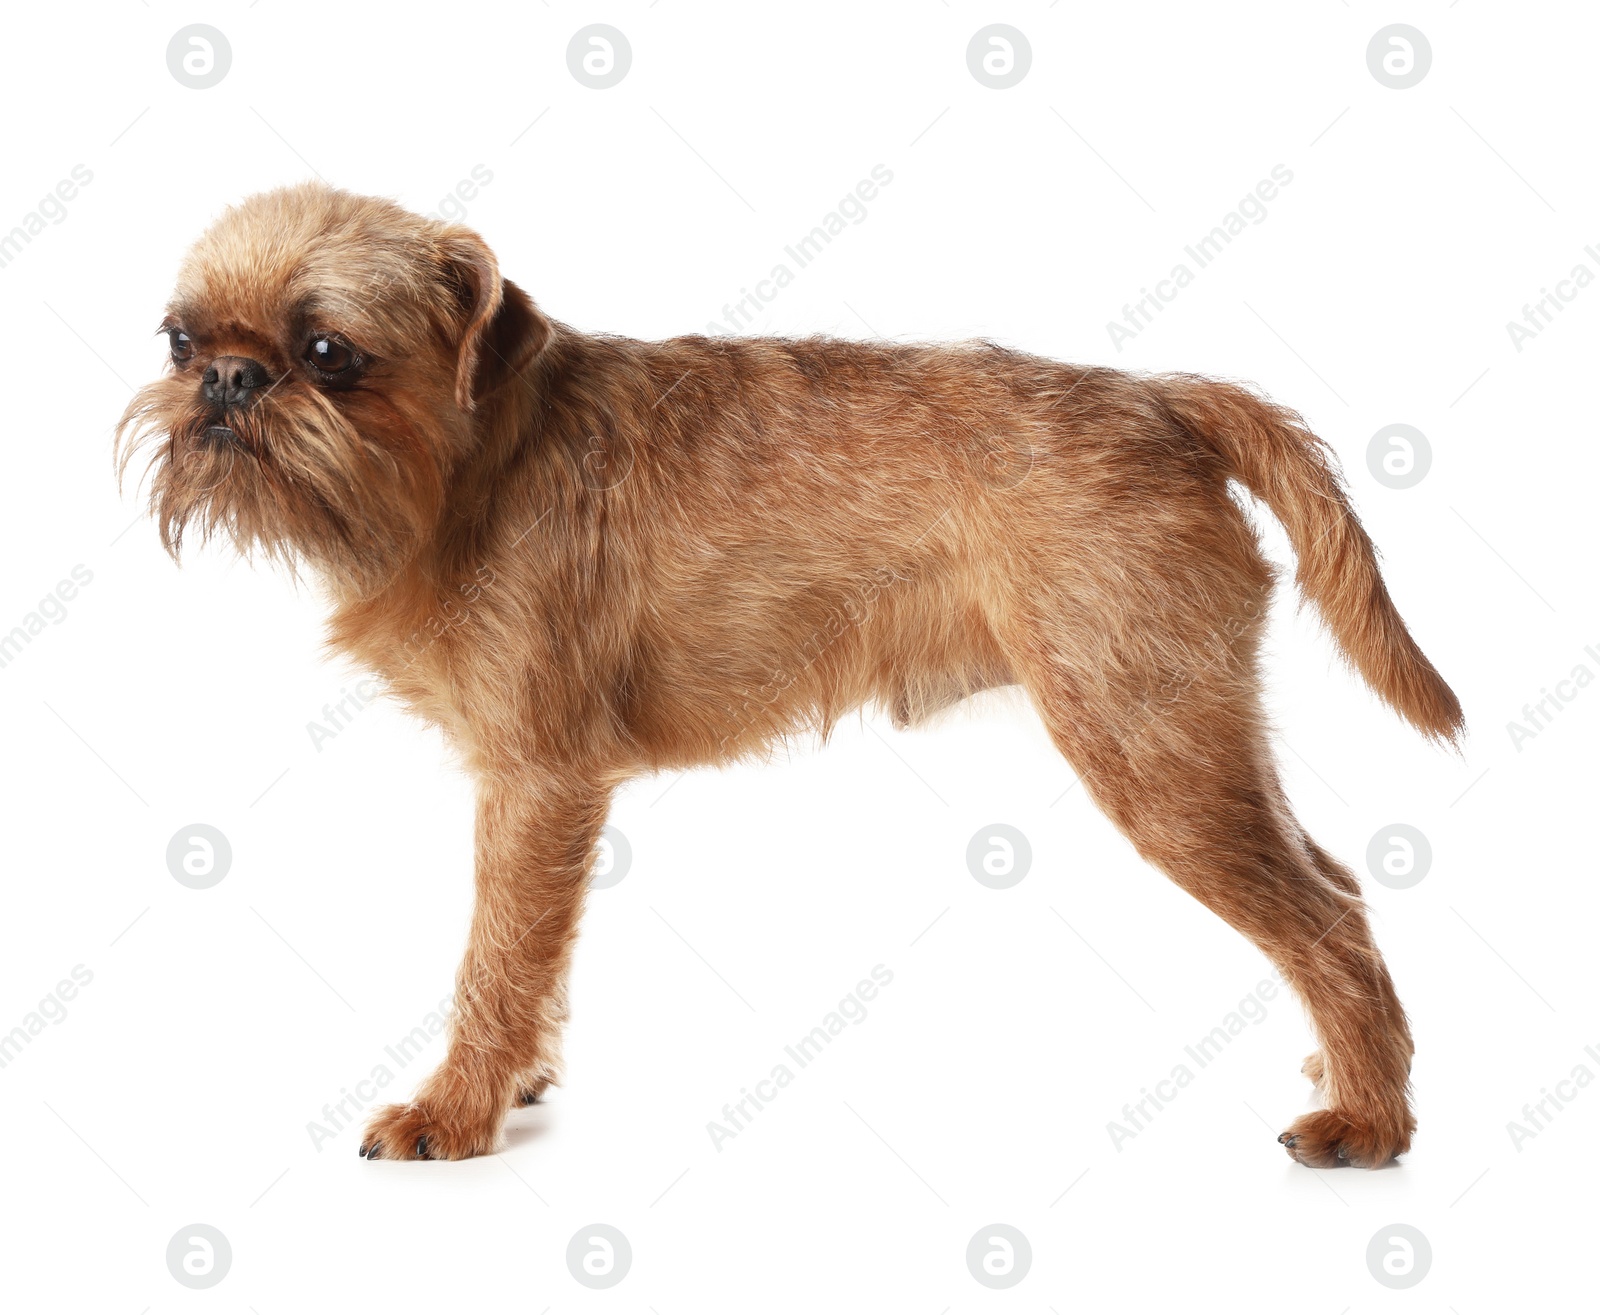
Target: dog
587	557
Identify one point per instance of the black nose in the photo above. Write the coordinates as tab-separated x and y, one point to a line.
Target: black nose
232	380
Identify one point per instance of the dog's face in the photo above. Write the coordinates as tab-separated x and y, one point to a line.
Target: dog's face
327	354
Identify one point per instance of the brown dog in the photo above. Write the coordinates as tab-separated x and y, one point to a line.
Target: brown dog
588	558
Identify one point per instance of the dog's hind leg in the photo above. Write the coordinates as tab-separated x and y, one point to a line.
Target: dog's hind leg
1170	742
1315	1066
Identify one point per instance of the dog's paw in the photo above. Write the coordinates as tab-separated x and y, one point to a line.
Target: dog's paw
532	1083
424	1131
1327	1139
1315	1068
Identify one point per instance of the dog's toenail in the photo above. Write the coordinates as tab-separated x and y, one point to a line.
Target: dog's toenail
363	1151
422	1148
1343	1154
1288	1138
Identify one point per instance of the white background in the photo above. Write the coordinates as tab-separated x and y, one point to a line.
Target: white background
179	1086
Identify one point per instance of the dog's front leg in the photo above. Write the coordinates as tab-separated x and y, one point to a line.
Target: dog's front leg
536	840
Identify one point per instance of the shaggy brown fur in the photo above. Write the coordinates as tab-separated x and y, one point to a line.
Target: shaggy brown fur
588	558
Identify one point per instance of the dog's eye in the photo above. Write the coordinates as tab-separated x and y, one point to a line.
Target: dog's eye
182	344
330	355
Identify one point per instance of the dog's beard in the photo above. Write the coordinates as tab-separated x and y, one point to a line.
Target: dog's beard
289	478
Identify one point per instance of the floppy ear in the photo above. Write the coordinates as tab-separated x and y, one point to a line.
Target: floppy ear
502	331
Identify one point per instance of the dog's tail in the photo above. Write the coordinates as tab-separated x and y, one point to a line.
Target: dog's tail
1269	450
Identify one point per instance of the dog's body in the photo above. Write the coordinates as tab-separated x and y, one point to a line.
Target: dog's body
587	558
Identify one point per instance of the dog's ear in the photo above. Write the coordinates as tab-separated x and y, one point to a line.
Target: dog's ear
501	330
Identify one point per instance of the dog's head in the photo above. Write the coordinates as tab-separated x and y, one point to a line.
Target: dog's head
328	352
